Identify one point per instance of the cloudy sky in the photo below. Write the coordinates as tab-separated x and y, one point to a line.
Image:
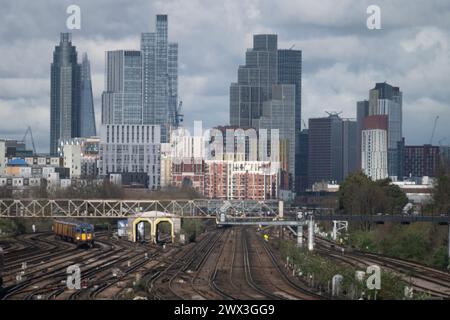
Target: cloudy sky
342	58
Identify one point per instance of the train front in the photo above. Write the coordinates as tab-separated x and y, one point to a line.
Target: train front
85	234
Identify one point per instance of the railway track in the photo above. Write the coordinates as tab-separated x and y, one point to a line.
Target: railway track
177	271
253	271
46	280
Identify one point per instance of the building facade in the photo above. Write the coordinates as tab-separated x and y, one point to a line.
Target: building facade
240	180
122	98
331	149
64	93
279	113
421	161
2	157
131	149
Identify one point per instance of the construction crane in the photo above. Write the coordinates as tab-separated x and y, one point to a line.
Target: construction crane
178	115
434	129
304	124
31	136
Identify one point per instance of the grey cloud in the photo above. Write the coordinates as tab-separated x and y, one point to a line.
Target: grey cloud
342	58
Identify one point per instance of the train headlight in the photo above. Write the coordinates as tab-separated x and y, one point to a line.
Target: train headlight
78	238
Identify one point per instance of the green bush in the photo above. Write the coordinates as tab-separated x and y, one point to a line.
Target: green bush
440	258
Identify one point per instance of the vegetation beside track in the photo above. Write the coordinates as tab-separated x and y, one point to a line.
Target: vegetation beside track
318	271
422	242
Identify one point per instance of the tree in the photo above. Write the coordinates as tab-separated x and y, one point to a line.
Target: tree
441	191
395	200
359	195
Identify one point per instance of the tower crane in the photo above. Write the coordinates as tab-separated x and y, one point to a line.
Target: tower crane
434	129
31	136
178	115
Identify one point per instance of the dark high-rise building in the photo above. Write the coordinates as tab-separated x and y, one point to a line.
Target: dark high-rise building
421	161
362	111
331	149
325	151
64	93
290	72
349	147
87	115
302	162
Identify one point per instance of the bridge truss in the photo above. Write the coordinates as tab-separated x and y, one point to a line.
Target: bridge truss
102	208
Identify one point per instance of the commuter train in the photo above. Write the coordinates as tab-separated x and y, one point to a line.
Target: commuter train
76	232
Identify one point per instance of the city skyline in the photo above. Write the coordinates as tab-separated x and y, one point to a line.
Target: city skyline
334	79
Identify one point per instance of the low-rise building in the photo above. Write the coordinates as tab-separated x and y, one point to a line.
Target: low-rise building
72	159
250	180
166	164
189	174
81	156
2	157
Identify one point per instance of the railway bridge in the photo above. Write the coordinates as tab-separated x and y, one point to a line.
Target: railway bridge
225	212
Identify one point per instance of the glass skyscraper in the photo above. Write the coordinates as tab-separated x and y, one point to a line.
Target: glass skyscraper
279	113
159	78
290	72
268	70
65	93
122	98
87	115
255	80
